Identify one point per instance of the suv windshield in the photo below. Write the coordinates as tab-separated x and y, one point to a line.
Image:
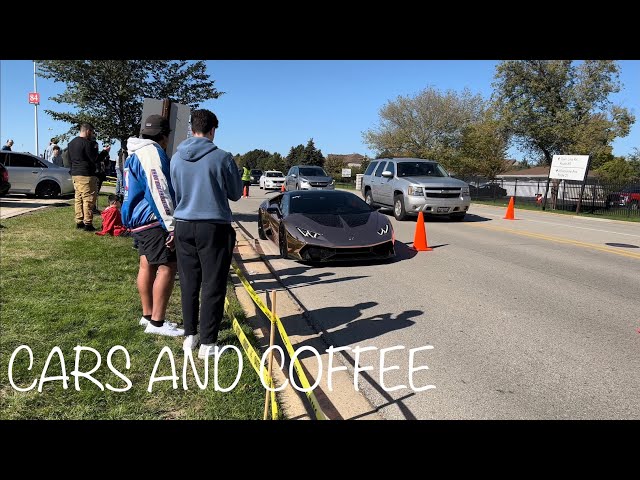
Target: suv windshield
312	172
420	169
337	204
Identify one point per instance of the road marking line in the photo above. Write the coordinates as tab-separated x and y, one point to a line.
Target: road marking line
566	225
591	246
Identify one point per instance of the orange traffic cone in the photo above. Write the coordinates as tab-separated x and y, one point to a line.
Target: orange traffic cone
282	188
244	192
511	214
420	237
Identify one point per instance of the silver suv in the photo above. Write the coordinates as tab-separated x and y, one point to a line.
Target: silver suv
411	185
308	177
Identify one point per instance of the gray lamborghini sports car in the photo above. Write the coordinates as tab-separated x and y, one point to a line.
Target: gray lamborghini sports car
325	225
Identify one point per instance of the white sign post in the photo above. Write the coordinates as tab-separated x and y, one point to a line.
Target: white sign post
569	167
346	173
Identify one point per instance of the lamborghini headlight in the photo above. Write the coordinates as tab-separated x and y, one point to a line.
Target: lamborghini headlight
308	233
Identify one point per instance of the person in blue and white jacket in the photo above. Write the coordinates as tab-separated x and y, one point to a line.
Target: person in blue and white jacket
147	210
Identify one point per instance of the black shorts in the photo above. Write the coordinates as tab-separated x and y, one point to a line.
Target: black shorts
151	244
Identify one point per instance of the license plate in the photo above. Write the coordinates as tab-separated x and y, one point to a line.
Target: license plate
442	209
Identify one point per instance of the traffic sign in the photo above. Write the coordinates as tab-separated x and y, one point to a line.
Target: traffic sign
34	97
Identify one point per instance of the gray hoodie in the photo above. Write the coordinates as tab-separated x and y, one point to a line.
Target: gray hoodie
204	178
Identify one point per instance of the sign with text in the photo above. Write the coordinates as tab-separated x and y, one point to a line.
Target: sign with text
569	167
346	173
34	97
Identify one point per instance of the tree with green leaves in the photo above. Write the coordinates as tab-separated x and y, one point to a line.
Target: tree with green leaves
110	93
429	125
634	160
312	155
334	165
304	155
618	170
561	107
483	148
254	159
294	157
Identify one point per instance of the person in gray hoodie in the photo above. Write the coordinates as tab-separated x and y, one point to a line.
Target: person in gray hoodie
204	179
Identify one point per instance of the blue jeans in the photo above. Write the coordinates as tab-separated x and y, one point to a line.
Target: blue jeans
119	185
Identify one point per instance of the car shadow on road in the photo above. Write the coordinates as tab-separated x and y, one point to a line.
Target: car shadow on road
469	217
355	331
245	217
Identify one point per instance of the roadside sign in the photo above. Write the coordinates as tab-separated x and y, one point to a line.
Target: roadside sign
346	173
34	97
569	167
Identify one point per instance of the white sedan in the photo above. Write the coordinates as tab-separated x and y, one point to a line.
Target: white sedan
272	179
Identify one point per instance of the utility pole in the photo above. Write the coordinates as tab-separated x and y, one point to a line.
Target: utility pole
35	89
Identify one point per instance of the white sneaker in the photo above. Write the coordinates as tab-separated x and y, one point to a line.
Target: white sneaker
207	350
166	329
191	342
144	322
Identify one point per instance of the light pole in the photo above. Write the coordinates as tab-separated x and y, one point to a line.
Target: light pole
35	89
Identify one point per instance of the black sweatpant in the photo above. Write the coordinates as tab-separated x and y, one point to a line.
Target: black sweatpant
204	256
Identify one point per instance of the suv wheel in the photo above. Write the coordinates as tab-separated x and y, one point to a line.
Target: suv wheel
368	198
398	208
48	189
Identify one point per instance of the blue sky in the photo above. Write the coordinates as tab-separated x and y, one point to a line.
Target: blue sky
277	104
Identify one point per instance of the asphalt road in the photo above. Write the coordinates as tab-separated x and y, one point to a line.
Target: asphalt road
529	319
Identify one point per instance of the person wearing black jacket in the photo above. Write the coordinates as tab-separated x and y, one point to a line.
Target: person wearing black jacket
102	165
83	154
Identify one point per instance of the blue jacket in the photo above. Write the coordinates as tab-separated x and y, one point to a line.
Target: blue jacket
205	179
149	198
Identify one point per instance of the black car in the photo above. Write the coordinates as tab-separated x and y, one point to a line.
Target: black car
325	225
255	176
4	180
487	190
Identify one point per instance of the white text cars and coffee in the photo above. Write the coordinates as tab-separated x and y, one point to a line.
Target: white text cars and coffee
22	361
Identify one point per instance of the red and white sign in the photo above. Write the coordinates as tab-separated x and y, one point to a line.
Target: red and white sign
34	97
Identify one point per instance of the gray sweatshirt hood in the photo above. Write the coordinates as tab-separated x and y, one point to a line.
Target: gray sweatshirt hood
194	148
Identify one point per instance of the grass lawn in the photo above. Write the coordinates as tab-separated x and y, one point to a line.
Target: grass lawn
632	217
66	287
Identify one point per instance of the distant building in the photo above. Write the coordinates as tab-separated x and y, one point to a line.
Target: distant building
350	160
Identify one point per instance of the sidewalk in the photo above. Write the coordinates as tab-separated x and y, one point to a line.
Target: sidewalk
16	204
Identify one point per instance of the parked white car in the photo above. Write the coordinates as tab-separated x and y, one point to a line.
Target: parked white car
34	176
272	179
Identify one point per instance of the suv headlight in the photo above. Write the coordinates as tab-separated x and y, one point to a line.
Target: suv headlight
417	191
304	181
464	191
333	182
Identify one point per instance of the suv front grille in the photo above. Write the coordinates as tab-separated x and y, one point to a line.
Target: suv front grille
318	184
442	195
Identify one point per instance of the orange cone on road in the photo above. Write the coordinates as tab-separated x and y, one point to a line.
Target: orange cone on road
511	214
420	237
282	188
244	192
